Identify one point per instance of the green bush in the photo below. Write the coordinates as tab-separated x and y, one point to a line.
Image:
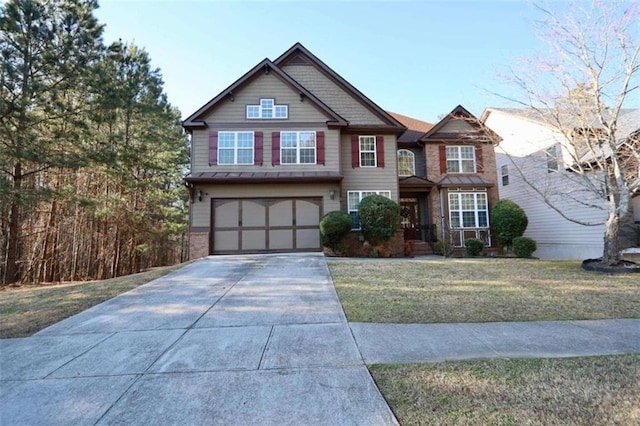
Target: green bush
508	221
524	246
443	248
474	246
379	218
334	227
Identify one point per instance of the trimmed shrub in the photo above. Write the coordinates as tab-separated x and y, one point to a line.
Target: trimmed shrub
508	221
524	246
379	218
334	227
474	246
443	248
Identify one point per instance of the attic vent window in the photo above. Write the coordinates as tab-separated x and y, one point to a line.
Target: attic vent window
268	109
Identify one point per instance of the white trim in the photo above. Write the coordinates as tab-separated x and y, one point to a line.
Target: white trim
298	148
235	148
459	158
261	110
361	151
475	210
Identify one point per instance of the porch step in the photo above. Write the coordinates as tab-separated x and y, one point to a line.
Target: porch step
421	248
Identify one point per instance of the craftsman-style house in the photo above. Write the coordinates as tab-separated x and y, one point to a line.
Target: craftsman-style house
292	140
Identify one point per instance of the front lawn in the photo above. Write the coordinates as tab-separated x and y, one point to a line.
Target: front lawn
28	309
480	290
577	391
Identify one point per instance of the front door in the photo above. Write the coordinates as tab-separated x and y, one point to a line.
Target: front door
410	218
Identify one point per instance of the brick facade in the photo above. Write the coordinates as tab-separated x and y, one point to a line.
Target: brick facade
198	245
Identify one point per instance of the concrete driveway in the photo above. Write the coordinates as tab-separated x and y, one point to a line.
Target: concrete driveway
258	339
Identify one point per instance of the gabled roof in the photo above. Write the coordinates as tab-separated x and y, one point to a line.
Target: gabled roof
195	120
298	53
415	128
481	133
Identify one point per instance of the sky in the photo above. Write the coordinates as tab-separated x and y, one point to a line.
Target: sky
417	58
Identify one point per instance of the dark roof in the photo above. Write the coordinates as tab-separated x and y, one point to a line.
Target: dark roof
195	119
263	177
481	131
415	182
464	180
415	128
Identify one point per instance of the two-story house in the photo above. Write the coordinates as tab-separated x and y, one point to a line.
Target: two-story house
292	140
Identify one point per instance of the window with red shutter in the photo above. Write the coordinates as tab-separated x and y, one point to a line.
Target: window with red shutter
320	147
355	151
380	151
275	148
213	148
258	149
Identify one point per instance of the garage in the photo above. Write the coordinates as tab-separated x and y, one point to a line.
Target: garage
258	225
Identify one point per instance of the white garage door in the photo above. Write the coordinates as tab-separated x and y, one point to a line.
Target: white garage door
257	225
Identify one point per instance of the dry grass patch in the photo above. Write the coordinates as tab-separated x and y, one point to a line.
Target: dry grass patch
27	309
480	290
580	391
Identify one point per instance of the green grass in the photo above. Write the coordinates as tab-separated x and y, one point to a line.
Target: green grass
480	290
577	391
28	309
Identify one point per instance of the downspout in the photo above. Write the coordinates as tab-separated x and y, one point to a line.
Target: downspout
442	221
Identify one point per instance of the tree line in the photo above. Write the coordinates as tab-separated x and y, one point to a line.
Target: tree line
92	154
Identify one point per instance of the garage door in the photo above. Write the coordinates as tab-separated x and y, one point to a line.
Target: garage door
254	225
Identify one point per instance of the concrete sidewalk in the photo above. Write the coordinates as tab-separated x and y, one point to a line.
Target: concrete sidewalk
226	340
411	343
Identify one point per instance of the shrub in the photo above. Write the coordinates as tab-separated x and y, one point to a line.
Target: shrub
334	226
474	246
524	246
508	221
379	218
443	248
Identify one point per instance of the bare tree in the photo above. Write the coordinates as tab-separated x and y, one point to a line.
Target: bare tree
582	86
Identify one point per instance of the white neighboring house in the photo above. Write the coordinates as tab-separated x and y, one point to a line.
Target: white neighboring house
533	152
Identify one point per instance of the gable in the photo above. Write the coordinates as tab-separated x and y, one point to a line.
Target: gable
333	90
461	125
232	109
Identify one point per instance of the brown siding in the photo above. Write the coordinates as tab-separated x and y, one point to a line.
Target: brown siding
332	94
369	178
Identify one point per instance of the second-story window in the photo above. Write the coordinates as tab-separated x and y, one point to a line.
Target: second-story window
268	109
298	147
461	159
504	171
235	147
368	151
406	163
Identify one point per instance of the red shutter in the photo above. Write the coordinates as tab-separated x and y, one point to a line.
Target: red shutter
275	148
443	159
213	148
479	161
380	151
320	147
355	151
257	149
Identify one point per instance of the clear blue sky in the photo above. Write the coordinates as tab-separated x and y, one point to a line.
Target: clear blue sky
418	58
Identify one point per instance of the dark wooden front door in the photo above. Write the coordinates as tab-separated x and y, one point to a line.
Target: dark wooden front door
410	218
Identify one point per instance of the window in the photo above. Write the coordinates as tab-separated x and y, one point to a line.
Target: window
461	159
367	151
235	147
267	109
504	171
298	147
468	210
406	163
353	201
552	159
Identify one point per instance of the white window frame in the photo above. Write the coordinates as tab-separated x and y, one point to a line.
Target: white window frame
459	160
504	174
236	148
551	154
267	106
411	156
460	210
353	207
364	139
298	148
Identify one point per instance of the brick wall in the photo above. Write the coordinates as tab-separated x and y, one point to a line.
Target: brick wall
198	245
